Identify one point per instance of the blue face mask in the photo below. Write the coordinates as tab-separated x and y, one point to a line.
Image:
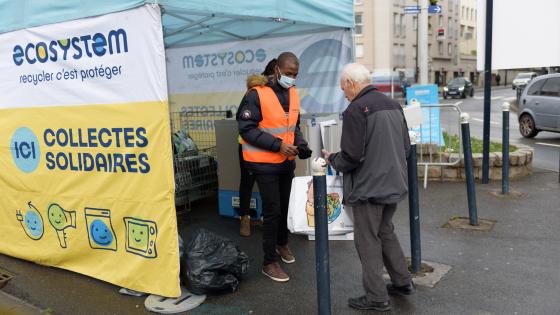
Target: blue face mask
285	81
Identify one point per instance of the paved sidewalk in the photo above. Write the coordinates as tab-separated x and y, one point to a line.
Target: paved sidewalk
511	270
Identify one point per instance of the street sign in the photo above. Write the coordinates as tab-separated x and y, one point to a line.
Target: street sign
434	9
412	10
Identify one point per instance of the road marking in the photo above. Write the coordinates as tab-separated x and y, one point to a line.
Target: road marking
548	144
492	98
458	103
482	120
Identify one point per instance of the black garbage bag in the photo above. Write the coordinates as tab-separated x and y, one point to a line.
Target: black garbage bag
213	264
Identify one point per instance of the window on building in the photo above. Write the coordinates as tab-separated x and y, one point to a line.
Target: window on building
440	48
395	54
414	23
429	24
470	33
449	49
358	23
402	53
463	12
359	50
395	24
440	21
462	31
403	26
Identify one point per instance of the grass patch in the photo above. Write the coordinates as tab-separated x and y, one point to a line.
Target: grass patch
452	143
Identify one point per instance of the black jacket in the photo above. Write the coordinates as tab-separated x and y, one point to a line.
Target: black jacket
248	117
374	147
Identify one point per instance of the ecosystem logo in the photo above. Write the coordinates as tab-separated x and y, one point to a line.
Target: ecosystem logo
77	47
224	58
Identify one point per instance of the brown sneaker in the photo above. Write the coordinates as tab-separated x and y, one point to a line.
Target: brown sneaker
275	272
286	254
245	226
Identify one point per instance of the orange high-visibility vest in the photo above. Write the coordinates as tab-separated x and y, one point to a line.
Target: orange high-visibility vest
276	122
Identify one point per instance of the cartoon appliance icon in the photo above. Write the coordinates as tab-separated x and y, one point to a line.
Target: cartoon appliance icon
61	220
31	221
100	230
141	237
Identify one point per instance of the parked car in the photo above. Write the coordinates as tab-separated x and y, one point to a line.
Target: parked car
539	106
458	87
522	79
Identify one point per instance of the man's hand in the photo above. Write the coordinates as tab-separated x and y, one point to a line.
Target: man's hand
288	149
326	155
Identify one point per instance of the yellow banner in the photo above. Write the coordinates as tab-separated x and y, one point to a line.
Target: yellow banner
82	190
86	170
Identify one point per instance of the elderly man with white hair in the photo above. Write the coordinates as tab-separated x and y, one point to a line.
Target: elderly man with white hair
374	147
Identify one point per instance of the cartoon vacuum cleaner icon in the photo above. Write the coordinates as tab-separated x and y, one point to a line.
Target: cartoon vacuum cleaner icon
60	220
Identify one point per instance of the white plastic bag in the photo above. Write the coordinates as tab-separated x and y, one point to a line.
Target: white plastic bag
301	219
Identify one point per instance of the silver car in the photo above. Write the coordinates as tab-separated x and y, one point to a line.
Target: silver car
522	79
539	106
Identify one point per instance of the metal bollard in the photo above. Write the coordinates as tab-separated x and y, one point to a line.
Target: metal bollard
413	206
471	193
505	148
319	168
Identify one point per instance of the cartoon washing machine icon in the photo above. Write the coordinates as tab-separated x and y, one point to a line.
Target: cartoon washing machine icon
141	237
100	230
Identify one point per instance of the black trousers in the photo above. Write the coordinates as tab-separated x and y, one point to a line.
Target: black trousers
245	187
275	194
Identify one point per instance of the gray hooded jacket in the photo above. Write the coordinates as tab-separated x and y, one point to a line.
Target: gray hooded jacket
374	147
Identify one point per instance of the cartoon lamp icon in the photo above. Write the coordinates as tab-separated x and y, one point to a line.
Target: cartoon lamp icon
60	220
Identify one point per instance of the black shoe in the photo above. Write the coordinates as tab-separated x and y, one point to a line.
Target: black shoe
408	289
362	303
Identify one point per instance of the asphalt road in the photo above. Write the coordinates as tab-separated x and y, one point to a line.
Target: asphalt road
545	144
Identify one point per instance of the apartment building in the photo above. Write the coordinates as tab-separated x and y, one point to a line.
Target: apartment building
386	40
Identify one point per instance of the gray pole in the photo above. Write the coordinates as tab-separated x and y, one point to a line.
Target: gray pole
321	236
505	148
471	193
487	92
423	42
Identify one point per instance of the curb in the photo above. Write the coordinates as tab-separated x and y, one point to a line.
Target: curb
10	304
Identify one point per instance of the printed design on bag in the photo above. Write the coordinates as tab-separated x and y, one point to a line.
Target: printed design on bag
141	237
100	230
61	220
334	206
31	222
